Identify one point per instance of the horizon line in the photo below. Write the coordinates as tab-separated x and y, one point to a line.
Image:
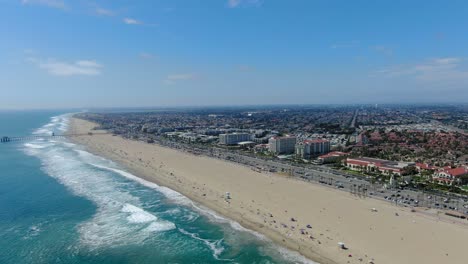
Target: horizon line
230	106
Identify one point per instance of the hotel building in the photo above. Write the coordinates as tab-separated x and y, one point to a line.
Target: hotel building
234	138
282	145
309	148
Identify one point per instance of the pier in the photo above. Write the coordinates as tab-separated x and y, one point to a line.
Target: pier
7	139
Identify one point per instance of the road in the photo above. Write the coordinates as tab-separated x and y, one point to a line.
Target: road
353	122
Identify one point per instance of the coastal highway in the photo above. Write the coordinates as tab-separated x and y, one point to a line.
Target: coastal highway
356	185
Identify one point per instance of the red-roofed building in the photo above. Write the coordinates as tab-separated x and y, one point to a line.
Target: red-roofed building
375	136
261	148
377	165
332	157
451	176
423	166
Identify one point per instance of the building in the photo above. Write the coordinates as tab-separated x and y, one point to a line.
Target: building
189	137
331	157
451	176
234	138
246	144
261	148
309	148
378	165
282	145
261	140
425	167
362	139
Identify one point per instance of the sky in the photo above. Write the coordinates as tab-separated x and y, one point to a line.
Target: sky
158	53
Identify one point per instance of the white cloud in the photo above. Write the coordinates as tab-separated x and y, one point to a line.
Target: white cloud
173	78
447	61
61	68
131	21
436	69
234	3
88	64
104	12
238	3
50	3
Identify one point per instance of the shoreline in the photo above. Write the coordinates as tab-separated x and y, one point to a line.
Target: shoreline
212	215
266	204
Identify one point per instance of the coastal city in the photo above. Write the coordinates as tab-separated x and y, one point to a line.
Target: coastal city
233	132
414	156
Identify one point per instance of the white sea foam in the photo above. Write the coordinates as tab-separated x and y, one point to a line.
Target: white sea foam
42	131
169	193
69	144
182	213
60	123
190	216
138	215
33	231
34	146
181	199
120	218
173	211
93	160
214	245
160	226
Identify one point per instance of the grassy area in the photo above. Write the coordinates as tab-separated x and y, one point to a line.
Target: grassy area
447	188
355	173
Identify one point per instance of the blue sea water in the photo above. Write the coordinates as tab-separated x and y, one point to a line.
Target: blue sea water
62	204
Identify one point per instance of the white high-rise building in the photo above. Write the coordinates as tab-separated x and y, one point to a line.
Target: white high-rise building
282	145
308	148
234	138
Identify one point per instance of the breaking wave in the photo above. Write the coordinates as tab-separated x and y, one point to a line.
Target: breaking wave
121	218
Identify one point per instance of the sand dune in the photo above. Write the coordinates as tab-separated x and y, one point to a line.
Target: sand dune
267	203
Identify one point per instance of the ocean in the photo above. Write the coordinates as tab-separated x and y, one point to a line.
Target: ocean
62	204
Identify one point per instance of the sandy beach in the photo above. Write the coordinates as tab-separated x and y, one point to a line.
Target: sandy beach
281	208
